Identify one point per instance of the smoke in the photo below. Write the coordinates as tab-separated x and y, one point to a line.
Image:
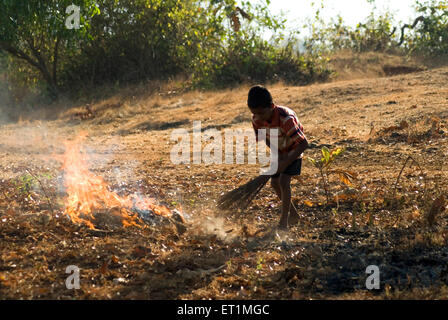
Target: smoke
4	101
105	160
217	226
28	145
17	101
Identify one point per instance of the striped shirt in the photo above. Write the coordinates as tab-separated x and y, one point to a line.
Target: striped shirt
290	130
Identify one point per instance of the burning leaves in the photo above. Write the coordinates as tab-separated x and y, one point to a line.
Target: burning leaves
89	197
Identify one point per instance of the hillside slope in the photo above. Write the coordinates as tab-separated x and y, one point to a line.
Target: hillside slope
379	122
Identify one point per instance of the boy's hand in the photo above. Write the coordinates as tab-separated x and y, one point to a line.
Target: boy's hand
283	163
284	160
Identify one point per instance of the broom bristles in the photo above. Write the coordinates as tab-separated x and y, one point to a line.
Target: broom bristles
244	194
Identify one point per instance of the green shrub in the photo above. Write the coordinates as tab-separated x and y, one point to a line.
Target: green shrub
243	56
376	33
430	37
258	61
215	43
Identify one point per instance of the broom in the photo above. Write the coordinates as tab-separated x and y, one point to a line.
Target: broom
243	196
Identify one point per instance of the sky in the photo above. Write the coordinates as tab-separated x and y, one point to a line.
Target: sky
353	11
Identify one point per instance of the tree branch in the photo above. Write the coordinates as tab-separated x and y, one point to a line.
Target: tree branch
416	21
43	67
18	54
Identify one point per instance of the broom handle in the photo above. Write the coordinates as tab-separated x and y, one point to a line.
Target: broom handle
293	206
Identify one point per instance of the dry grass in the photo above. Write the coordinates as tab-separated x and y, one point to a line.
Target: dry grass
350	66
324	256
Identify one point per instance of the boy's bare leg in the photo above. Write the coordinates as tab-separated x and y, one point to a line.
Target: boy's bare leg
285	186
293	215
275	183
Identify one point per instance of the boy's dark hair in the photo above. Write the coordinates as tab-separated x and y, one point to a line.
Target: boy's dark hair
259	97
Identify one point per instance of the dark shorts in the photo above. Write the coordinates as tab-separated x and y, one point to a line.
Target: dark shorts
294	169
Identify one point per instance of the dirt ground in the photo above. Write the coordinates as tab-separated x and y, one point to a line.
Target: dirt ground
384	218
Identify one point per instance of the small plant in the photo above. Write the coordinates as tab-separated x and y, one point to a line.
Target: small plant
29	181
324	164
260	264
396	201
24	184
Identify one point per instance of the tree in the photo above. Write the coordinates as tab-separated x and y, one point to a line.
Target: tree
35	31
431	34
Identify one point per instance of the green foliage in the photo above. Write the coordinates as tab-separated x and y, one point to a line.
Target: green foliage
260	264
135	40
327	159
376	33
325	163
27	182
430	37
34	32
239	54
215	43
253	60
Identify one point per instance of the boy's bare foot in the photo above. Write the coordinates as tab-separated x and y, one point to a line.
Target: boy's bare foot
283	224
293	219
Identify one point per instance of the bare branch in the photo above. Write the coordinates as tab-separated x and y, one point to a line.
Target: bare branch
416	21
18	54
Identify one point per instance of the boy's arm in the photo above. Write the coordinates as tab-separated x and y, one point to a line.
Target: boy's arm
256	135
255	130
283	163
294	131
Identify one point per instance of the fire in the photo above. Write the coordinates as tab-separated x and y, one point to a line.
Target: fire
88	193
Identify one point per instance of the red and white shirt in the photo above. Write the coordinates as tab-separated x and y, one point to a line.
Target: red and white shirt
290	130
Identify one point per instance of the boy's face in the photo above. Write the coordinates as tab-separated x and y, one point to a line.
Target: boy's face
262	113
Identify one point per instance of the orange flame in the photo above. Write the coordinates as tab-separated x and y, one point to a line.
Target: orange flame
87	193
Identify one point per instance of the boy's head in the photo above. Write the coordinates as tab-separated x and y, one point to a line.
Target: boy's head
260	102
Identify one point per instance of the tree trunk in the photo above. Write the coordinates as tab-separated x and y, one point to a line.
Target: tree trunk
51	81
37	63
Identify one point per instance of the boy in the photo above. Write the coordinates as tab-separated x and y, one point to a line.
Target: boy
291	145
